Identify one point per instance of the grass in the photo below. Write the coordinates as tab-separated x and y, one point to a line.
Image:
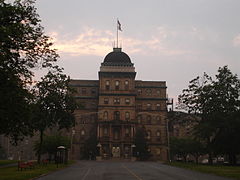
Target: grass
6	162
12	173
220	170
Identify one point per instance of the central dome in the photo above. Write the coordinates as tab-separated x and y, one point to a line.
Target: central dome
117	56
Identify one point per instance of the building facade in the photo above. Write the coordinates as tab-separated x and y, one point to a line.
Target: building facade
115	105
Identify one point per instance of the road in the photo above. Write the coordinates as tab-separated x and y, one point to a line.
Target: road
109	170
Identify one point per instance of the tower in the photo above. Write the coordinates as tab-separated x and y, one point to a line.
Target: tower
116	105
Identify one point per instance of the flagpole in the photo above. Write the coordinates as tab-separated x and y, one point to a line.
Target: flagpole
117	33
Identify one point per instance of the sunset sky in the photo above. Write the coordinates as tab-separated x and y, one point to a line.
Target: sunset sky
167	40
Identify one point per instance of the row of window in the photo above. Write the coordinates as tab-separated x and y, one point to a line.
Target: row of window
117	85
149	134
116	101
84	91
127	133
150	106
149	119
116	115
149	92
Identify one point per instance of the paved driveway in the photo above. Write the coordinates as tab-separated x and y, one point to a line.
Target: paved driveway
108	170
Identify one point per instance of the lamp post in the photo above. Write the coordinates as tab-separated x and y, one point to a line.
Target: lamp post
71	151
99	151
133	157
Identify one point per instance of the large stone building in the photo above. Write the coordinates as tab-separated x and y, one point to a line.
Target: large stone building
115	105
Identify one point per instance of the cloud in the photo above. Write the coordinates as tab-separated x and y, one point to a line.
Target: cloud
236	40
99	42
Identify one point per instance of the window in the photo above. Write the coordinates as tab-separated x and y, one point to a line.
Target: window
127	116
126	85
148	92
149	106
158	92
107	85
149	134
158	119
158	107
117	84
106	100
116	115
158	134
139	106
105	115
139	91
105	131
127	132
82	132
93	91
139	119
116	101
127	101
84	91
149	118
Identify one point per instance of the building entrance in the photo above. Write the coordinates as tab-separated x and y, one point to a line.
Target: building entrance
116	152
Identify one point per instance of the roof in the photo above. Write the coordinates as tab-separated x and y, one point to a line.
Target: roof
117	57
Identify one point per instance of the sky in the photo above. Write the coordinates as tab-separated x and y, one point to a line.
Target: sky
167	40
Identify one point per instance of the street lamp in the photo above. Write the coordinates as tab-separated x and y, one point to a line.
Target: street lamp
73	133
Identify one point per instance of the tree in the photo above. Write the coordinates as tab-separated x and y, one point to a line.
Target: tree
141	144
23	47
54	105
218	104
50	144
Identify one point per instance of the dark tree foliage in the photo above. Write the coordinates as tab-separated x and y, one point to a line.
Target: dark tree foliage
23	46
50	144
182	147
218	103
140	142
54	105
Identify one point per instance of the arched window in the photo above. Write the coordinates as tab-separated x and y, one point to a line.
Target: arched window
126	85
149	106
82	132
148	134
116	115
105	131
127	132
127	101
149	118
117	84
139	91
105	115
148	92
127	116
107	85
158	119
158	134
158	107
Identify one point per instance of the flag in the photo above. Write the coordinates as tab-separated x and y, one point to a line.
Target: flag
119	25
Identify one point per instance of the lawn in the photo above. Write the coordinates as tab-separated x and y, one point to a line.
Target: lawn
6	162
12	173
220	170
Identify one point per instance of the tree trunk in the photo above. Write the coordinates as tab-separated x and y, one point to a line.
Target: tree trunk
210	160
40	147
196	158
232	159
